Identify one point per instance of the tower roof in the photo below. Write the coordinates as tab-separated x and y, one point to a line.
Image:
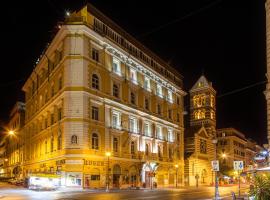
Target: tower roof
201	84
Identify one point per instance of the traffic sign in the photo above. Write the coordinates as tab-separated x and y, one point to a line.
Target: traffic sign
215	165
238	165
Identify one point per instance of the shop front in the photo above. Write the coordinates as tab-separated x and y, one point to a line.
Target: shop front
74	179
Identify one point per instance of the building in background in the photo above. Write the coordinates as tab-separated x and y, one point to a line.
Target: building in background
14	153
199	148
96	90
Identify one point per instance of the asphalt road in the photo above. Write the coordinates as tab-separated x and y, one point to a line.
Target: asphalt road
9	192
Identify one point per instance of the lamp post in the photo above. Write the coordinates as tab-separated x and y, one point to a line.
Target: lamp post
176	180
108	154
216	173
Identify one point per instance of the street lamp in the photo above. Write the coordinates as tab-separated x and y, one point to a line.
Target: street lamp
216	177
176	167
108	154
11	132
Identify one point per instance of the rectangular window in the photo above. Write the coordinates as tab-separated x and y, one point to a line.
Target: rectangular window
60	83
170	97
170	135
133	76
159	90
178	117
170	114
95	54
159	132
115	145
146	103
116	67
147	131
95	177
133	125
116	120
94	113
147	85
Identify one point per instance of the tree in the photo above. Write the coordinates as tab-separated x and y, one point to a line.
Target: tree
260	187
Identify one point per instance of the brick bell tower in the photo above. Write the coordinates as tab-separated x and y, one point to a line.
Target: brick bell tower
203	105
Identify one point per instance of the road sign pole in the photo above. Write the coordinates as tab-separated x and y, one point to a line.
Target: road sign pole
238	183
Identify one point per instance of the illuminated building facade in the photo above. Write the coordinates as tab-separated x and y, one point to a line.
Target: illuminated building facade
97	90
199	149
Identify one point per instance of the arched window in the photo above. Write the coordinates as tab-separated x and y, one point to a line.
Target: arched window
74	139
147	149
115	90
95	141
115	145
132	147
95	81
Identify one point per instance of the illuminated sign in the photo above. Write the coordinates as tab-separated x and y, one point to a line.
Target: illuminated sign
260	158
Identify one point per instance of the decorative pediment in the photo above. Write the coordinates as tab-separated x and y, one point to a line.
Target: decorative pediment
203	133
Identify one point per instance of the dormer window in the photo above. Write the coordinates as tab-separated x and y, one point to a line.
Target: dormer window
116	66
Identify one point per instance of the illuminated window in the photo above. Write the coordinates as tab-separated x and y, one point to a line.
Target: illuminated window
199	114
133	75
95	82
159	132
212	101
116	66
170	135
147	85
170	97
116	120
159	90
133	125
212	115
199	100
147	130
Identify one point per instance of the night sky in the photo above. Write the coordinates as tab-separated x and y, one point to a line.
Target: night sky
224	39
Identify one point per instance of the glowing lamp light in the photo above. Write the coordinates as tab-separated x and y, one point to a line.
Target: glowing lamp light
176	166
67	13
108	154
11	132
223	155
6	159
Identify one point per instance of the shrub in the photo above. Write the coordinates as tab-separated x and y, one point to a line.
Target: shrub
260	188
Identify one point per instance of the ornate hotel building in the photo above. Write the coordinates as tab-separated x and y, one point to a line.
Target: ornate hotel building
94	90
